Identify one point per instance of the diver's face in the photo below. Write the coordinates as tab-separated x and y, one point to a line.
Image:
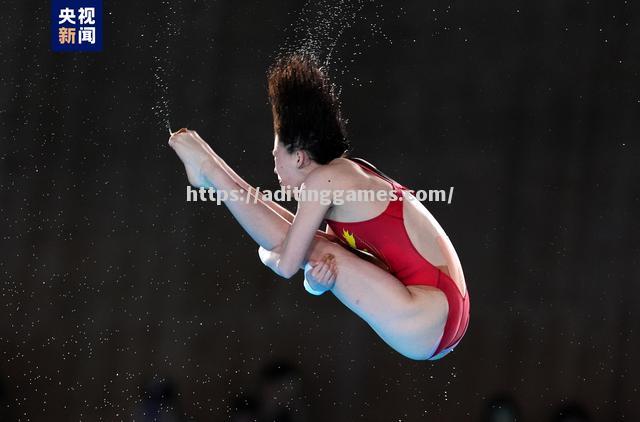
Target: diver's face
286	165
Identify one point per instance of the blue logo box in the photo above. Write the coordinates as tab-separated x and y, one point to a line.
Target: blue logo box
76	25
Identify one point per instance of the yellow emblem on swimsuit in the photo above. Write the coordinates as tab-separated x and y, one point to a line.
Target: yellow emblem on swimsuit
349	238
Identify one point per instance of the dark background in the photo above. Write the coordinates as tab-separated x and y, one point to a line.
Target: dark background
110	280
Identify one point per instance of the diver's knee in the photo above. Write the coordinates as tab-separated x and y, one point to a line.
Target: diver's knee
324	246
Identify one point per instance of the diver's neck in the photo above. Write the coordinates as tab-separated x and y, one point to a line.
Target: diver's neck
306	170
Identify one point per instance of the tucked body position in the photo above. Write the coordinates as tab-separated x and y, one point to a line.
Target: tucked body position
385	257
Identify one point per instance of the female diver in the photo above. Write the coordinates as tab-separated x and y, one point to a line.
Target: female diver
389	261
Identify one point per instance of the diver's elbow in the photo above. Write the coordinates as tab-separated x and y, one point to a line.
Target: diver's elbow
285	269
288	273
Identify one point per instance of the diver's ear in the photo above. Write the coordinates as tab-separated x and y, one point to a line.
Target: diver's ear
302	159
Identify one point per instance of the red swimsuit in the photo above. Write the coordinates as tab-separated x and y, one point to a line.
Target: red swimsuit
386	237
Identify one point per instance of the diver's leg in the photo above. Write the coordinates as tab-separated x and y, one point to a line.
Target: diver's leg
410	319
280	210
264	225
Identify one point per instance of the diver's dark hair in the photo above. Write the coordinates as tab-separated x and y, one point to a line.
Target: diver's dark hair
306	110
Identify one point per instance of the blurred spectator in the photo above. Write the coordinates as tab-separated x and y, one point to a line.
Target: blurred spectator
159	402
244	409
4	400
571	413
502	409
281	395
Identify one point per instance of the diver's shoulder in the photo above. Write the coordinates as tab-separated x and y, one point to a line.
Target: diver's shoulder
343	167
334	174
341	164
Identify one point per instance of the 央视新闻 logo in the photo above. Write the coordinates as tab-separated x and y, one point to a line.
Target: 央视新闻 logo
76	25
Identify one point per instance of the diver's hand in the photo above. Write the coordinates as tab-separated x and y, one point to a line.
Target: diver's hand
320	276
194	153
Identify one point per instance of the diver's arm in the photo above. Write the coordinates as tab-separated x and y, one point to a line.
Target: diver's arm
305	225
